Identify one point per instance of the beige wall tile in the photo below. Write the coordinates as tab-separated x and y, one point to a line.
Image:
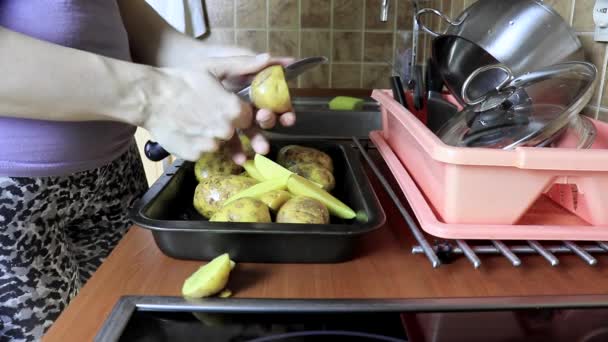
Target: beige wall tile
283	43
220	37
583	15
468	3
348	14
376	76
457	7
315	43
315	13
220	13
595	53
251	14
283	13
346	76
378	47
347	47
405	15
254	40
316	78
563	7
372	16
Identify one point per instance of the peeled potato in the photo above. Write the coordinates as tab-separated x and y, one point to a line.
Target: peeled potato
209	279
252	171
259	189
299	185
269	169
275	199
303	209
269	90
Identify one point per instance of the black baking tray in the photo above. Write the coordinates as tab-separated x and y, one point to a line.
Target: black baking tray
180	232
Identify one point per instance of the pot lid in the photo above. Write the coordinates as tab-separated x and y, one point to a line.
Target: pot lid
526	111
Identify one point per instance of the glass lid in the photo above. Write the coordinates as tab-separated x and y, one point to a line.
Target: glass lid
528	111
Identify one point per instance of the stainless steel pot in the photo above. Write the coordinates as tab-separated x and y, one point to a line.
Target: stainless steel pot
521	35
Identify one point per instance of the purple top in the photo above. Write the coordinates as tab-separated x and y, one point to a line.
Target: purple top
31	148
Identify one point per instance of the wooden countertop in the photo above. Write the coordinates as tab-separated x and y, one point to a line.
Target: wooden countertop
385	268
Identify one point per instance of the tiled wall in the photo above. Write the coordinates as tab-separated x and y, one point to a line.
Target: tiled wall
358	44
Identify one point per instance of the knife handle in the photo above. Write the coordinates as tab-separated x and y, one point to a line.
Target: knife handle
154	151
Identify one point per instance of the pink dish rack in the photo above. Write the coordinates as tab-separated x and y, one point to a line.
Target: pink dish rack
479	193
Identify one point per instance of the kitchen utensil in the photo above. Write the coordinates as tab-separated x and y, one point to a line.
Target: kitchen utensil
180	232
155	152
504	119
494	186
398	91
439	111
523	35
427	214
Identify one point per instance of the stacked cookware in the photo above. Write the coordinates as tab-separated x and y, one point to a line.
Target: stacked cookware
517	71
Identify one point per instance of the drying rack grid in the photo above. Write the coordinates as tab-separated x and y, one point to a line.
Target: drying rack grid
440	252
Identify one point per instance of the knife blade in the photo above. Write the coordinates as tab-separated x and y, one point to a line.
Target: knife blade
292	71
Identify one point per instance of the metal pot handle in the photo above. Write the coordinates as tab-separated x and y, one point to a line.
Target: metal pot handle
467	82
438	13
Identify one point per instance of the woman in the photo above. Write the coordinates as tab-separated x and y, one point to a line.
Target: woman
77	78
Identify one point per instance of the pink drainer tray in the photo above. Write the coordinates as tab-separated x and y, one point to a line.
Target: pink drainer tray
573	228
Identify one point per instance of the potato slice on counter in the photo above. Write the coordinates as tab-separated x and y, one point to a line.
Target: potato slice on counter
302	209
259	189
275	199
253	171
301	186
245	209
209	279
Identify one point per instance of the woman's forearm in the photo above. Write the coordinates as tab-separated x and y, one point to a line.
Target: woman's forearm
49	82
155	42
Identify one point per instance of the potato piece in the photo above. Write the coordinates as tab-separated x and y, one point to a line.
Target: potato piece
275	199
209	279
259	189
302	209
269	90
299	185
269	169
210	194
244	209
215	164
316	174
253	171
225	294
291	155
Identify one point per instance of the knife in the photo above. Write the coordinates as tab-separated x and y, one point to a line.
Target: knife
155	152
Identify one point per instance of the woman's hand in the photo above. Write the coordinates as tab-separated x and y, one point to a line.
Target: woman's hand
191	111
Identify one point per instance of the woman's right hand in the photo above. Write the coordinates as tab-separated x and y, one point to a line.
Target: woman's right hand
189	112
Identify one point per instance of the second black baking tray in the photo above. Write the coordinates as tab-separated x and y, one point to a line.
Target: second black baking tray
180	232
